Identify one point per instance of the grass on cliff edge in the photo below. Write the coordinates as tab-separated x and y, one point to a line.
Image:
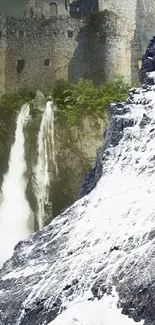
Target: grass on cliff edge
77	101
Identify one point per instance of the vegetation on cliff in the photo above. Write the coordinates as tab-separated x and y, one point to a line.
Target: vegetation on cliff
13	101
77	101
74	102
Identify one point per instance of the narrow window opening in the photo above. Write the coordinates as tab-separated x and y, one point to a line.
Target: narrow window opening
20	65
46	62
75	9
66	4
0	34
70	33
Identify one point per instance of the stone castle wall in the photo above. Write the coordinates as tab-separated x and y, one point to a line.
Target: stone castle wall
109	42
52	8
37	52
139	16
125	7
2	53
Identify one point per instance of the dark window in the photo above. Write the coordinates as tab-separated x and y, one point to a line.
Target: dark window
70	33
20	33
20	65
46	62
66	4
0	34
75	9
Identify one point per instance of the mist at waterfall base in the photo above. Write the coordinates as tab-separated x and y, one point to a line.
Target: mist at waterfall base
15	213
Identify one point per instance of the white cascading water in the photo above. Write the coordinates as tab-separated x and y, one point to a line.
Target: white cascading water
46	156
14	210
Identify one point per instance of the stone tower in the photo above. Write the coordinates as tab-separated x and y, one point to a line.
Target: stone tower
30	9
126	8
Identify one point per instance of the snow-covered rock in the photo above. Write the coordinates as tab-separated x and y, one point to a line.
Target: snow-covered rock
105	240
95	263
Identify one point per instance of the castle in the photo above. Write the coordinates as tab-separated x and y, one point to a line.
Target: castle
58	39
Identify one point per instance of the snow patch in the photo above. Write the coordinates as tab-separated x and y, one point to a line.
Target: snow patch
97	312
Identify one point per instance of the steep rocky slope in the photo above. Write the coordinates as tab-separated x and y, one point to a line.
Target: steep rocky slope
69	272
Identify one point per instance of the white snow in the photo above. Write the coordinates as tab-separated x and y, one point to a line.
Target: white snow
119	213
97	312
151	74
24	273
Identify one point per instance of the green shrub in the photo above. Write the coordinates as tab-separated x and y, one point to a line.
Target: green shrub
76	101
26	94
13	101
62	90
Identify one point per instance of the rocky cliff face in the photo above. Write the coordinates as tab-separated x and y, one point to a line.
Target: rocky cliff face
7	131
69	272
75	154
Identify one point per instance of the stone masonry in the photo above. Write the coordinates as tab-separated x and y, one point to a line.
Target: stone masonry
73	39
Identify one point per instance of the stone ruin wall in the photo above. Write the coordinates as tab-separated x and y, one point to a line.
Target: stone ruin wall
43	47
2	53
64	47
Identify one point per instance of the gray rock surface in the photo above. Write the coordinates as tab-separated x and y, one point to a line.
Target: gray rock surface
40	101
94	246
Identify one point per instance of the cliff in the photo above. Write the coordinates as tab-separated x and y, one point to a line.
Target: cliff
96	259
75	150
75	154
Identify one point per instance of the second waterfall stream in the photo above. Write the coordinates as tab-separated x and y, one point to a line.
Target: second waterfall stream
46	163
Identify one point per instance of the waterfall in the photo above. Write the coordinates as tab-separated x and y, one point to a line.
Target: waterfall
14	210
46	158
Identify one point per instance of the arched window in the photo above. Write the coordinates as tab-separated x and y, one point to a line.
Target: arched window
53	9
